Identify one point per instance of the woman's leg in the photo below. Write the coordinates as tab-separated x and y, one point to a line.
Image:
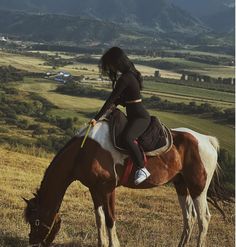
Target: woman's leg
132	131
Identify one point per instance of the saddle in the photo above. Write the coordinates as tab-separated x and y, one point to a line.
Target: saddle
156	139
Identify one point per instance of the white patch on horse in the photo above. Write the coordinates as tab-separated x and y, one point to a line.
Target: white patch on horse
208	147
189	217
101	134
101	226
112	235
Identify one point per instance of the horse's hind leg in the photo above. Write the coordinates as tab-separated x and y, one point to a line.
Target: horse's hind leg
198	190
188	210
203	213
203	216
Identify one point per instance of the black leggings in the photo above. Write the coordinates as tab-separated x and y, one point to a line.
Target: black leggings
133	129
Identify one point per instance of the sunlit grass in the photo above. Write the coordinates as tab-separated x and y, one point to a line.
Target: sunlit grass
144	218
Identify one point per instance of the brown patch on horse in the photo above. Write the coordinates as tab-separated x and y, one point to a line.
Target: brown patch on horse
193	171
162	168
183	158
95	164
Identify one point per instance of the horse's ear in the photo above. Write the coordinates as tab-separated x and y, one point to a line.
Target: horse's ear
27	201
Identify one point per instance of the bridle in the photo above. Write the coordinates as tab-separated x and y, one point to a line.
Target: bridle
37	223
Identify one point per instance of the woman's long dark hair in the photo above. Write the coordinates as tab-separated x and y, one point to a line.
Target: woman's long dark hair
116	59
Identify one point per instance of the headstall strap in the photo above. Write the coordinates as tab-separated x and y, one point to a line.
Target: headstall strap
50	228
37	223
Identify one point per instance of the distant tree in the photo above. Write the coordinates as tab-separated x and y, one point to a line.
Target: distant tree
23	124
38	131
157	73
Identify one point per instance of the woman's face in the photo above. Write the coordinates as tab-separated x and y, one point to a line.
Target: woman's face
113	69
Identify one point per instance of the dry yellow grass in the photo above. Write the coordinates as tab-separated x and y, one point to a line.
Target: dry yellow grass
145	218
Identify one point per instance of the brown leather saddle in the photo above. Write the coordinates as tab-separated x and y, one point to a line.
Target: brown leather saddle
155	140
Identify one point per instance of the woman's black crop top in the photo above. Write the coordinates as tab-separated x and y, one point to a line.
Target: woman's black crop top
127	88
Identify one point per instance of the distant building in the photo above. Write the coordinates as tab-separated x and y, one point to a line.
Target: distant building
63	77
4	39
49	74
230	81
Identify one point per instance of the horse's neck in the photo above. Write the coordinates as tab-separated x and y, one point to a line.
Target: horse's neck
57	178
53	188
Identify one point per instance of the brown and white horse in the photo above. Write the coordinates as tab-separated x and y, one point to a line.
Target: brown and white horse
190	164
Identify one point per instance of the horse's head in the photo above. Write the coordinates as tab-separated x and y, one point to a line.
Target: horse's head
43	225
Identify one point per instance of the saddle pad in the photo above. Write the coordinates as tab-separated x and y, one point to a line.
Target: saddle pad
155	140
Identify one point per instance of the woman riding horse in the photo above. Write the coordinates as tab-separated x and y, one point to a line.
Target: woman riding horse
126	92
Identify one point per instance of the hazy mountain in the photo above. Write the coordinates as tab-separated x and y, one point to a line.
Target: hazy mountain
222	21
51	27
204	8
149	22
160	15
216	14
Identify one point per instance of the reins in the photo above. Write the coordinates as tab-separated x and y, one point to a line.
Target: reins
86	135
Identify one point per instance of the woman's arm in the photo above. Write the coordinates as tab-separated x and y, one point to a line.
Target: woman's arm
120	86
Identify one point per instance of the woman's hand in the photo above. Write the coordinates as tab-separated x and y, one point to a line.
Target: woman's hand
93	122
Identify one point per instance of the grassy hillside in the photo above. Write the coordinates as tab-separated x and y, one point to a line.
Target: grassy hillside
159	215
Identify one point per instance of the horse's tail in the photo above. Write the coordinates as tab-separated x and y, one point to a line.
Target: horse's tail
217	191
214	142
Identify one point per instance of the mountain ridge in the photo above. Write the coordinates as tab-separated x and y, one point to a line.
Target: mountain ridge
216	14
44	27
151	13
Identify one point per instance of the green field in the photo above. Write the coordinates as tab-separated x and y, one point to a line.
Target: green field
46	89
192	52
190	92
196	67
223	133
27	63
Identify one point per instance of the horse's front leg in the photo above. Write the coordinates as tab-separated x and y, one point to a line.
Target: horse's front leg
100	217
109	208
104	203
